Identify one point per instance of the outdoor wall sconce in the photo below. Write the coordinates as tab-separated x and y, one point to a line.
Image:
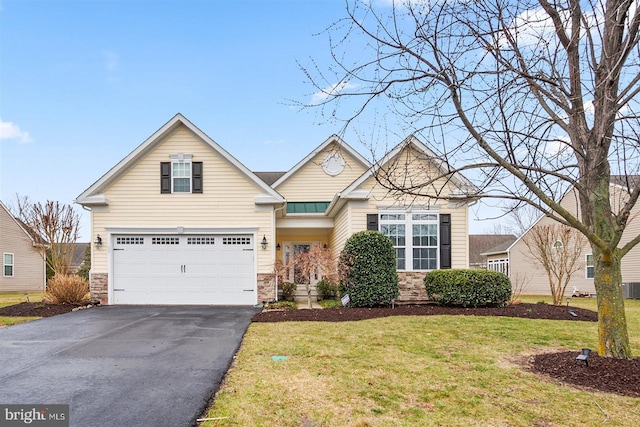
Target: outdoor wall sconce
584	356
278	246
98	242
264	242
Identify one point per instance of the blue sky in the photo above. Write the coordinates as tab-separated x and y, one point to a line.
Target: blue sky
83	83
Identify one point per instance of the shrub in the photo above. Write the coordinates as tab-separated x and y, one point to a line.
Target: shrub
368	270
326	290
280	305
288	291
468	287
67	289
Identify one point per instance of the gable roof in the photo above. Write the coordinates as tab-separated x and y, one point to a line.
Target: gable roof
93	196
78	254
36	240
333	138
269	177
627	182
481	245
457	179
353	192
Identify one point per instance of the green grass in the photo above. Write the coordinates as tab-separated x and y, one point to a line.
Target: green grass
414	371
11	298
330	303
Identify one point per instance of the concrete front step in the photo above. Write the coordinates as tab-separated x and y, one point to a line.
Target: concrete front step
301	294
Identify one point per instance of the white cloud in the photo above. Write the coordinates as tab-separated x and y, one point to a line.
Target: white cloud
332	90
559	147
9	130
112	60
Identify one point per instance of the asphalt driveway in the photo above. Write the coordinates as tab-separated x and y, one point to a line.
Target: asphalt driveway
123	365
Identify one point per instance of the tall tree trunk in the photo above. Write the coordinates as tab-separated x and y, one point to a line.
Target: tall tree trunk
613	339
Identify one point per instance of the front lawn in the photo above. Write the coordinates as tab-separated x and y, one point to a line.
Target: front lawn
413	371
11	298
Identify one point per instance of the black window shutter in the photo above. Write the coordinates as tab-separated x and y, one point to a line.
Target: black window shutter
445	241
196	177
165	177
372	222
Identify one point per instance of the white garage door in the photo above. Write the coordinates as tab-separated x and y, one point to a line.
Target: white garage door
184	269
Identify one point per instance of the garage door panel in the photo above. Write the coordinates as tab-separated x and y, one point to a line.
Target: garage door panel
184	270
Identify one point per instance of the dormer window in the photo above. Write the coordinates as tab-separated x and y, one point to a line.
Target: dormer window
181	175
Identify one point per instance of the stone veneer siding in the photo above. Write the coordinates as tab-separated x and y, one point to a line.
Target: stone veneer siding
411	286
99	287
266	288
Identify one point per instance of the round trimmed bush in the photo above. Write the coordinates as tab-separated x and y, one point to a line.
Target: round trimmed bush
463	287
368	270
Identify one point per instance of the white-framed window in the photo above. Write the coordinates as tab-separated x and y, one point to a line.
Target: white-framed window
414	236
589	266
181	175
7	264
500	265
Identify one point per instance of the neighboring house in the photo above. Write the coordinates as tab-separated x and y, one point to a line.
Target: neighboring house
181	221
528	274
23	263
479	244
78	257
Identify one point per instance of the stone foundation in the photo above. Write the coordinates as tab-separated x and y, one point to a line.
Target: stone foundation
411	286
266	288
99	287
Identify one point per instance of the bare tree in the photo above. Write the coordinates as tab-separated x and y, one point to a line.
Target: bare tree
528	98
58	224
520	219
558	248
318	261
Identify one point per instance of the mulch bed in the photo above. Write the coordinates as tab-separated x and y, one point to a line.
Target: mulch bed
602	374
339	314
36	309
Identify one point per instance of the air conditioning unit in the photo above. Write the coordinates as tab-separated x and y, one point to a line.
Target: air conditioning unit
631	290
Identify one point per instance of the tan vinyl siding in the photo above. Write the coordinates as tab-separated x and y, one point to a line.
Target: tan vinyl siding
341	229
311	183
228	199
631	261
28	264
380	198
531	277
532	274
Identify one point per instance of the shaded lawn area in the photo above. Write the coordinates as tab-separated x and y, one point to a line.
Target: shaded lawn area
413	371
